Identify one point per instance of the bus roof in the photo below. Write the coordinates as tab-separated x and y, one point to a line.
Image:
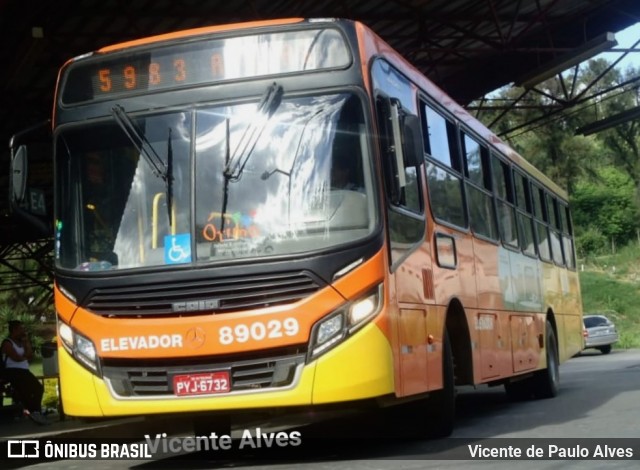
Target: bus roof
198	32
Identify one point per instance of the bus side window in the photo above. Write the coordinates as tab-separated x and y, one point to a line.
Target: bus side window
503	190
540	217
482	213
554	230
525	217
567	236
444	175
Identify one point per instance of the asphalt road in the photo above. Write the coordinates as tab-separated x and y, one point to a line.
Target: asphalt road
598	405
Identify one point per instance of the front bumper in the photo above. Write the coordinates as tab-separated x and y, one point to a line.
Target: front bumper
359	368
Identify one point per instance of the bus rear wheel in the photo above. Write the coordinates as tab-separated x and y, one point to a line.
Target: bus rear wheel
546	381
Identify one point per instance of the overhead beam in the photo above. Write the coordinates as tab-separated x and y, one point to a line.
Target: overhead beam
578	55
608	123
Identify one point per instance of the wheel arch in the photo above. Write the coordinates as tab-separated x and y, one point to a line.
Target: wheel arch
457	326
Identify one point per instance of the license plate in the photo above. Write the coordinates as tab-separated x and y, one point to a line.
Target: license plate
202	384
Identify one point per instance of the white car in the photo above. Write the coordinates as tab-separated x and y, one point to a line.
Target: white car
599	333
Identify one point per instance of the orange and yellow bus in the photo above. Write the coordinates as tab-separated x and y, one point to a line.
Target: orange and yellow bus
288	214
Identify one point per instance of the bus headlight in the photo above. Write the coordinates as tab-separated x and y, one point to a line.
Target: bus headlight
363	308
330	328
80	347
337	326
66	335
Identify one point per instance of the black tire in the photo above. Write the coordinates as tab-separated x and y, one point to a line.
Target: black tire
605	349
432	417
546	381
441	405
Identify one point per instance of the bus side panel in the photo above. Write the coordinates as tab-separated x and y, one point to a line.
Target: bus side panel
570	311
454	280
487	278
418	330
561	289
454	271
524	342
490	321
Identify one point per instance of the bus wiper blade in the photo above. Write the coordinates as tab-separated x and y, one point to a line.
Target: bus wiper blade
140	142
267	106
169	176
144	147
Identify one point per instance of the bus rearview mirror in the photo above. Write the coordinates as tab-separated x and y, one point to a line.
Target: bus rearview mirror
19	164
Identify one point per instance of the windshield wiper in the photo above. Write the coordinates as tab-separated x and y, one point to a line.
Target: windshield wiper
144	147
267	106
169	177
140	142
234	164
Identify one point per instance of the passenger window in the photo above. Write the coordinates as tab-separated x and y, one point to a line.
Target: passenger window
504	197
554	232
499	180
445	194
440	141
541	228
567	238
482	212
525	216
444	175
473	161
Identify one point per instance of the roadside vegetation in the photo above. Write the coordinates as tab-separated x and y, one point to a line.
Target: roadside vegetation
611	284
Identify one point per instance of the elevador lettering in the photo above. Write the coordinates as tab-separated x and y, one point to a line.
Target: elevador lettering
131	343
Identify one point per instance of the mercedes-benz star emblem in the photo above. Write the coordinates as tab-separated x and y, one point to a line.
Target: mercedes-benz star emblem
195	337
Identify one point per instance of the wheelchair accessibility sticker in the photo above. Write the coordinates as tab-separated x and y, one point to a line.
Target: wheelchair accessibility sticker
177	248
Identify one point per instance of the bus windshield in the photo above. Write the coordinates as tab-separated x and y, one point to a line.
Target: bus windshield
239	181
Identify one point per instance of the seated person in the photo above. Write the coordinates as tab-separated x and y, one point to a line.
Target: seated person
342	177
16	354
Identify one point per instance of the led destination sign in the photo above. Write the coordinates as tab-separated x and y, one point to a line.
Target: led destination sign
204	62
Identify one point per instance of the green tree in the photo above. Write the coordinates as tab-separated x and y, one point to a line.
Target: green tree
606	206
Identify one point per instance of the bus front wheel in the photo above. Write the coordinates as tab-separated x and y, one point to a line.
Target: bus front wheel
442	405
431	417
439	409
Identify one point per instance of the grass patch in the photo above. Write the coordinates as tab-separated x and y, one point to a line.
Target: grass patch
616	295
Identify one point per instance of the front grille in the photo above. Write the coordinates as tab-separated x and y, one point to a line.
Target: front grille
219	295
252	374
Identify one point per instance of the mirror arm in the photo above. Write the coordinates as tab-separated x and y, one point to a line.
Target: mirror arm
397	143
